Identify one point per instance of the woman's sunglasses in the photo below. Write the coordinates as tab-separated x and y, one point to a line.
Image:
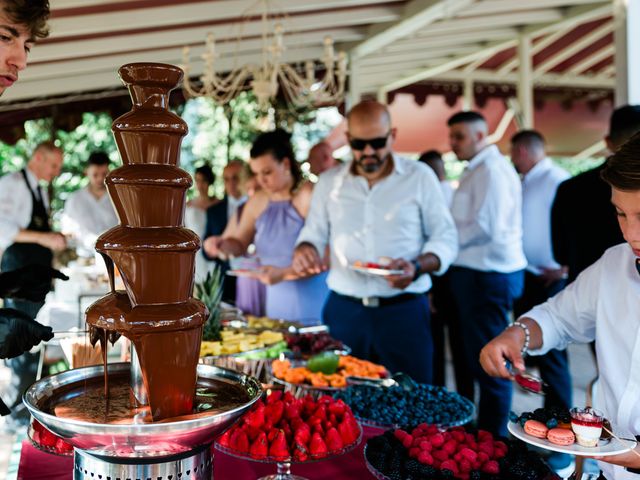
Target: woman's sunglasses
361	143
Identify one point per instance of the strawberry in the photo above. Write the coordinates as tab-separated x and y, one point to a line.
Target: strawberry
252	432
303	434
278	448
273	412
317	447
224	438
293	410
349	430
300	452
255	417
48	439
274	397
337	408
333	440
321	412
288	398
259	447
239	441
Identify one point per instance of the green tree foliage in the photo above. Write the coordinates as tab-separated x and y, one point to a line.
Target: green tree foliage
216	135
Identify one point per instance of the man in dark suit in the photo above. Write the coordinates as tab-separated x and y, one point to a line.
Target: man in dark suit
218	216
583	220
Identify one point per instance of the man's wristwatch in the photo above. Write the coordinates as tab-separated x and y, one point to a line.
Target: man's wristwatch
417	273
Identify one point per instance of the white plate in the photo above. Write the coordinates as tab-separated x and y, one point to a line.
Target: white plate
603	449
378	272
242	273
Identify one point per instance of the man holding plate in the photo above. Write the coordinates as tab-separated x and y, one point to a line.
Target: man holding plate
379	205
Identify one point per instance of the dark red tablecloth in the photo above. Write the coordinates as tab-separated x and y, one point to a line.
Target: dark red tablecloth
37	465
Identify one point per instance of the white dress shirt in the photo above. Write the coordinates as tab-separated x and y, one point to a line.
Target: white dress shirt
487	209
16	205
447	191
602	304
233	204
86	218
539	187
402	216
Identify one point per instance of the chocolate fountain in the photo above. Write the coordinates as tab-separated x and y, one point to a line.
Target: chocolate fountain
157	416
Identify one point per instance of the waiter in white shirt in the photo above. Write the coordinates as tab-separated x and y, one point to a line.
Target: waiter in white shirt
27	239
88	212
488	274
601	304
379	205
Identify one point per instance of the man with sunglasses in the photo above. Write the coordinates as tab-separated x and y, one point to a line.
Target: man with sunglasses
379	206
488	274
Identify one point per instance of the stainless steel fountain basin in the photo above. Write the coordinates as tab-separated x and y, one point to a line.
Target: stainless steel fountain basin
136	440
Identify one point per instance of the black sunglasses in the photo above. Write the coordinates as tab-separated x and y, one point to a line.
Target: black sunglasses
361	143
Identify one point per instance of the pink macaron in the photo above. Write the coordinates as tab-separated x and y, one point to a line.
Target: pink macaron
535	429
561	436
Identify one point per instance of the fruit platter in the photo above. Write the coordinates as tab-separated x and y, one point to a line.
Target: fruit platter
579	431
244	350
424	452
285	430
324	373
305	345
48	442
406	404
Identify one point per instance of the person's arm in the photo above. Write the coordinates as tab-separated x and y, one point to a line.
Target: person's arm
314	236
570	316
438	230
237	244
470	210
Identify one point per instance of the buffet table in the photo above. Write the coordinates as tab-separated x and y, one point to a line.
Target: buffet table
37	465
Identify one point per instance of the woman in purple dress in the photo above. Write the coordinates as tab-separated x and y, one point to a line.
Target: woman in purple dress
272	220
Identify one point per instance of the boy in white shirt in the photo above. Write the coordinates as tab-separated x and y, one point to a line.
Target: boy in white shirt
602	305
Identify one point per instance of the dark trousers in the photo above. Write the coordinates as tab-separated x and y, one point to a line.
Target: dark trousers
397	336
554	366
444	316
484	301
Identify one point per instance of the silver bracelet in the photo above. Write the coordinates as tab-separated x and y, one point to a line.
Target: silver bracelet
527	336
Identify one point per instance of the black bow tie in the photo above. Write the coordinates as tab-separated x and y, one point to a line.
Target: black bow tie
638	265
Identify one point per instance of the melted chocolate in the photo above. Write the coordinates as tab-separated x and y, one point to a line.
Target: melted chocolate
151	250
86	402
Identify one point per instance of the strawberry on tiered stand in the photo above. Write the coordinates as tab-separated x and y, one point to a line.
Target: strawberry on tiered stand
284	430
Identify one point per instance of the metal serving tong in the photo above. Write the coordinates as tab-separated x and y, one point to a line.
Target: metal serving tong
398	380
527	381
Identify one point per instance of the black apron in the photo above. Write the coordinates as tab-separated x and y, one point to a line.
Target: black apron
19	255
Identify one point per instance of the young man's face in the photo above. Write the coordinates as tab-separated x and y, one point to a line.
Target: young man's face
96	175
627	205
15	43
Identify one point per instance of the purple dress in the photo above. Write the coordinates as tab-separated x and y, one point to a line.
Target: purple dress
277	230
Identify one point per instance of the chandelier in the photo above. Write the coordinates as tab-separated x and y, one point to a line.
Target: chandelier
300	86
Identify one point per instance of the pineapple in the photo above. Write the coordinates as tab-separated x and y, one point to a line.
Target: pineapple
209	292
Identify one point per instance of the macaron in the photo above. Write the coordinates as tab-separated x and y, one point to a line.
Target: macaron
535	429
561	436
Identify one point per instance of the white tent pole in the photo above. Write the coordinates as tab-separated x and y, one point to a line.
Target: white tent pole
467	100
627	43
525	80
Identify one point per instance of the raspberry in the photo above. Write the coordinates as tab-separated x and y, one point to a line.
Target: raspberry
486	447
483	457
491	467
400	434
425	458
484	436
465	466
426	445
469	454
440	455
449	465
414	452
450	447
407	441
437	440
458	436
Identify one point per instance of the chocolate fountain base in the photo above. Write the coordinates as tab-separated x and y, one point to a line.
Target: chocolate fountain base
193	465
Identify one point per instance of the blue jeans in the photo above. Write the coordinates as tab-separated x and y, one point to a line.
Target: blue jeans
484	301
397	336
